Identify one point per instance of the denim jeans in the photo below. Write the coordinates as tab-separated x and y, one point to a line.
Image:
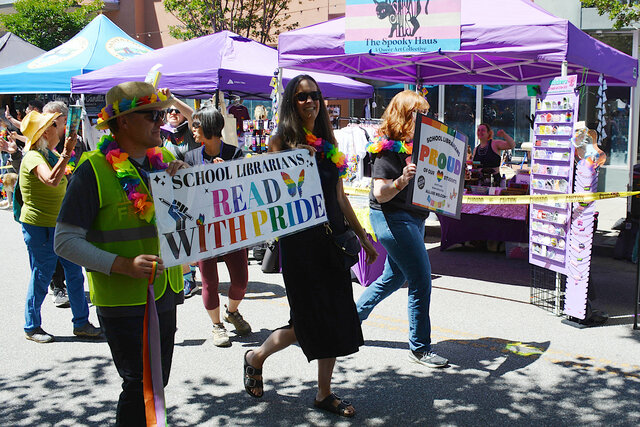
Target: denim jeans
43	261
402	235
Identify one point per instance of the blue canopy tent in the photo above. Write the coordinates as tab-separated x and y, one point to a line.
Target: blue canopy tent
99	44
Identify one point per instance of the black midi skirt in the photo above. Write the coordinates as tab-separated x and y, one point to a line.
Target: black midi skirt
320	295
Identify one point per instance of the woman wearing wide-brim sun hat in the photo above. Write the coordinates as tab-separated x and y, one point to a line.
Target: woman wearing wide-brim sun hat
43	184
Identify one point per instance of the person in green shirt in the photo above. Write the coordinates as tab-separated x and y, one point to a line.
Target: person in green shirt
43	184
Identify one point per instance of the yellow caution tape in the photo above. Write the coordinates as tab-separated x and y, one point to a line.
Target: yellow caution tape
545	198
524	199
357	191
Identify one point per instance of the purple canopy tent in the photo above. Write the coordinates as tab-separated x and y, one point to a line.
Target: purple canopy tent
222	61
501	42
509	42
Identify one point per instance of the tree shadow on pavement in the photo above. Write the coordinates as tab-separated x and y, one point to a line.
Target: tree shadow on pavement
487	384
66	395
492	386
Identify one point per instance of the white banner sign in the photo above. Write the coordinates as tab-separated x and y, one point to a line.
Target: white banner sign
210	210
439	153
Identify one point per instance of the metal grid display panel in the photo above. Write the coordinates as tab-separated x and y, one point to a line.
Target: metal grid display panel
543	292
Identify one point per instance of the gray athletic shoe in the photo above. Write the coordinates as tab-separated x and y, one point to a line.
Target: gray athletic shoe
236	319
60	298
87	330
430	359
220	336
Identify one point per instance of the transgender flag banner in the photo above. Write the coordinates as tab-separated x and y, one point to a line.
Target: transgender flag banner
395	26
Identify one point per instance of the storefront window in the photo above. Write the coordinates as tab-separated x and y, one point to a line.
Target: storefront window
460	110
432	99
615	144
508	108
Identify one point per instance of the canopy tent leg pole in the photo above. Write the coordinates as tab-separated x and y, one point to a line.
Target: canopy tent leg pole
532	111
634	110
441	93
278	99
565	69
632	149
479	96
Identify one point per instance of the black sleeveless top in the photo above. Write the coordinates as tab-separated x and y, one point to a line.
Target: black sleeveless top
487	157
329	180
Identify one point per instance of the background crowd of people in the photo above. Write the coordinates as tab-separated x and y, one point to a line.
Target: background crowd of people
68	213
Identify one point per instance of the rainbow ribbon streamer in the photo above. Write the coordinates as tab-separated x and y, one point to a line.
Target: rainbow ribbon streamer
153	387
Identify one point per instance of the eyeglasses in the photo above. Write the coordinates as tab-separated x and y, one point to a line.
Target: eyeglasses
153	115
303	96
173	111
196	125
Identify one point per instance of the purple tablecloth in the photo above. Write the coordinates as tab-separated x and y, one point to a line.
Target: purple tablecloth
505	223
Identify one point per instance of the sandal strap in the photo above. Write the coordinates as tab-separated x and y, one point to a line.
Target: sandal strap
250	370
252	383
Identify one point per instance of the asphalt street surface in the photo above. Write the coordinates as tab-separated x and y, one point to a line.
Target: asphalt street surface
511	362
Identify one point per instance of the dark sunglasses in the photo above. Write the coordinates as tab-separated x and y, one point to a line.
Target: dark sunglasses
173	111
153	115
196	125
303	96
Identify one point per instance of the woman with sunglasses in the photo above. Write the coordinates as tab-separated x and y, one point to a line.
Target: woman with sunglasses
207	129
178	139
324	320
176	135
399	229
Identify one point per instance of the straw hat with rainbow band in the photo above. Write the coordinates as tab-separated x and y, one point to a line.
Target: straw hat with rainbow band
34	124
129	97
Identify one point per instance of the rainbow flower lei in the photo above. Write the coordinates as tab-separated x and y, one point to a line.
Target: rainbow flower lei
128	176
381	143
123	105
329	151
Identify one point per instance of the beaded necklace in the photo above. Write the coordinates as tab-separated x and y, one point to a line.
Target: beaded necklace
128	177
329	151
381	143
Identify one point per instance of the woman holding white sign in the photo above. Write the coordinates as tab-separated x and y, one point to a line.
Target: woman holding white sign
323	320
399	229
207	129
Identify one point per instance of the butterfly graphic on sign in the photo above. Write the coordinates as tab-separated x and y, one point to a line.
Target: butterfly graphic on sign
291	185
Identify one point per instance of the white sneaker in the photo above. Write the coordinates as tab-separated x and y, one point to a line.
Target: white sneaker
430	359
60	298
220	336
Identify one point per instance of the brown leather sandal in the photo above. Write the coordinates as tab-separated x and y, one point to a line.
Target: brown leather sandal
249	382
335	405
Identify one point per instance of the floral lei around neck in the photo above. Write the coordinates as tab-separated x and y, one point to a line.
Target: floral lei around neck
329	151
123	105
381	143
128	176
